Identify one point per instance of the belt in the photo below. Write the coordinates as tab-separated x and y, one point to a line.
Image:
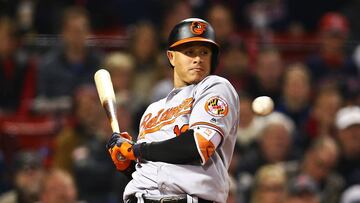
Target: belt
133	199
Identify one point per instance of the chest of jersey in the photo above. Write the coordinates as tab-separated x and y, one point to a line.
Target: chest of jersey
168	117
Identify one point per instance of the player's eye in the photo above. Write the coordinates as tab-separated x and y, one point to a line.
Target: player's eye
189	52
204	52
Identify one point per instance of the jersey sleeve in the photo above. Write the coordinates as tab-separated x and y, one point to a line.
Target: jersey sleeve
216	106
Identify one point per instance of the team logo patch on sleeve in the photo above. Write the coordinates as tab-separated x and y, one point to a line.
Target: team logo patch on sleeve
216	106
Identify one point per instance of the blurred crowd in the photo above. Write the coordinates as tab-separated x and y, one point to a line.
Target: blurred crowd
305	55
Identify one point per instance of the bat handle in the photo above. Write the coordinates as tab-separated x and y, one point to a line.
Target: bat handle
115	126
109	105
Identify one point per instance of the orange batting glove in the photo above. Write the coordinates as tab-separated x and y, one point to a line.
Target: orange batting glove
120	148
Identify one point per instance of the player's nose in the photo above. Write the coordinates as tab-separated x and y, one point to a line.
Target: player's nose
197	59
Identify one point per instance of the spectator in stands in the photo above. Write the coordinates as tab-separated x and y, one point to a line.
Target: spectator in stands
233	61
121	67
319	163
87	111
80	149
269	185
296	99
162	88
274	146
144	48
348	131
58	187
17	84
267	16
28	175
174	12
268	76
67	67
220	17
250	125
234	65
303	189
321	121
296	93
332	63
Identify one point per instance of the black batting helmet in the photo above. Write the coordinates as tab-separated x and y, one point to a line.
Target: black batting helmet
195	30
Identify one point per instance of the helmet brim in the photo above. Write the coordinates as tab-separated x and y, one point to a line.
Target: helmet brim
193	39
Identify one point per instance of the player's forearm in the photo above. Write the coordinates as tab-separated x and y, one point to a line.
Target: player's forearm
178	150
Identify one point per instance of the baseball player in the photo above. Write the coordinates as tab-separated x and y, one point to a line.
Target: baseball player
185	140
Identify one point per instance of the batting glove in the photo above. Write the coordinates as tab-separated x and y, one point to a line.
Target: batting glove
120	148
121	143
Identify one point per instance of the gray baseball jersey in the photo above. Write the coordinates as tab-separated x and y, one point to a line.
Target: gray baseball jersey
211	108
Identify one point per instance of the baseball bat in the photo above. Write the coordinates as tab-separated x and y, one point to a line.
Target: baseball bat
107	97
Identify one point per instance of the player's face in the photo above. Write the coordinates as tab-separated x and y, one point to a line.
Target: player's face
191	61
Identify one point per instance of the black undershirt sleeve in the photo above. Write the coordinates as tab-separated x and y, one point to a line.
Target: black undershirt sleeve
178	150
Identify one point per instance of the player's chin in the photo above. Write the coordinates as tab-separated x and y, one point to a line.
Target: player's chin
197	77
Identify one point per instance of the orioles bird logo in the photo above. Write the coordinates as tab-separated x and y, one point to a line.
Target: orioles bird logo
198	28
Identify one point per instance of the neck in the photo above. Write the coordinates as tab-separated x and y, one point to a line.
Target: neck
178	82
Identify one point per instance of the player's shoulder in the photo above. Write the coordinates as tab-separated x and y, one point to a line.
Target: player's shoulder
215	80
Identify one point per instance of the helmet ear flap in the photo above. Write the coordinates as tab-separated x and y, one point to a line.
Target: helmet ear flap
194	30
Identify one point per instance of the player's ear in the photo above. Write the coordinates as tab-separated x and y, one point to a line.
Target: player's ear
170	55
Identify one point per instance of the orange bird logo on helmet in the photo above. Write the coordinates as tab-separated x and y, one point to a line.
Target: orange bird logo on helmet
198	28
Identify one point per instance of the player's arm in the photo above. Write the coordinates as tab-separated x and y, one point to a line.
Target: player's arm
190	146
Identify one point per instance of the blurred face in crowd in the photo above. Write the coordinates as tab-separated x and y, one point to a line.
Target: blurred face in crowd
271	192
235	60
269	69
191	61
320	162
28	182
7	43
87	107
75	32
332	41
296	87
303	198
247	115
121	66
350	141
275	143
59	188
145	42
326	106
121	79
270	185
178	11
220	19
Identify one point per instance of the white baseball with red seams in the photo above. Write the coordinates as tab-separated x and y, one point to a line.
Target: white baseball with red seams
263	105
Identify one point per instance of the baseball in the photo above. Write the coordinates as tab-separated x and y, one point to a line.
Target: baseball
263	105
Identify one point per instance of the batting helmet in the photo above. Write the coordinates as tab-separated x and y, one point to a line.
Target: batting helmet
195	30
